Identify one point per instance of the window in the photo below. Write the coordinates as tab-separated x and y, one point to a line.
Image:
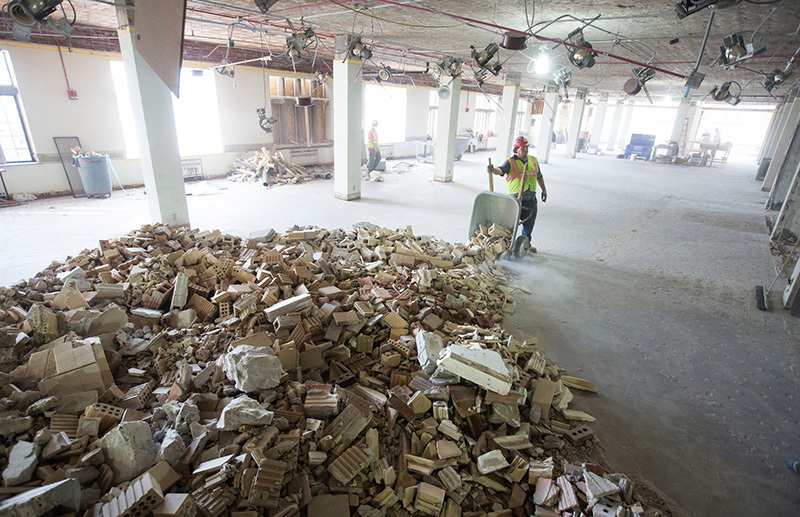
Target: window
523	113
485	115
433	113
15	139
387	105
196	113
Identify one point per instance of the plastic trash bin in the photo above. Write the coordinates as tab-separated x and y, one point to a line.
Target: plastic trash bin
94	175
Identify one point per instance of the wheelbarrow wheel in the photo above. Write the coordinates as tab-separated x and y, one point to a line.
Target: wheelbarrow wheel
521	247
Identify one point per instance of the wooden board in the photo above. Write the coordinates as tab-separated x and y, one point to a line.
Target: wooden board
64	144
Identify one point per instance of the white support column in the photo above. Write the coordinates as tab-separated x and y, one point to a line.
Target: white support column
787	131
508	118
347	124
679	127
615	122
626	123
599	116
578	106
154	119
551	100
771	130
783	114
444	152
786	173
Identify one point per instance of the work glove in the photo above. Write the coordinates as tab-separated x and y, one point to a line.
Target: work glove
544	197
490	169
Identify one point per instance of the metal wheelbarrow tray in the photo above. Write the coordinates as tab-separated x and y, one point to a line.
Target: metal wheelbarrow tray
492	208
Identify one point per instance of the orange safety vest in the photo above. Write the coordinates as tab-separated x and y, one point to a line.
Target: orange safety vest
514	177
373	137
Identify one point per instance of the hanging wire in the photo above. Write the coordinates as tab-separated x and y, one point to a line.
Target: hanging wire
391	21
765	20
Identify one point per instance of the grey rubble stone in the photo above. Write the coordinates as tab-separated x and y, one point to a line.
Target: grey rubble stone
172	448
64	496
129	450
40	406
253	368
84	475
89	496
505	414
12	425
22	462
428	347
243	411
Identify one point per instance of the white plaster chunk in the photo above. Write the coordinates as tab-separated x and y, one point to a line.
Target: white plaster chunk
129	450
253	368
429	346
243	411
491	462
64	495
483	367
22	462
597	486
172	448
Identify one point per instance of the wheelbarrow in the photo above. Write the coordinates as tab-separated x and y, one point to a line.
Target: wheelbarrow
491	207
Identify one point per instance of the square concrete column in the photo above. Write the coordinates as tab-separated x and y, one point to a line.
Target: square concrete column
786	172
626	123
578	106
551	100
154	118
780	121
787	132
599	116
347	123
787	225
444	151
769	136
680	126
508	119
615	122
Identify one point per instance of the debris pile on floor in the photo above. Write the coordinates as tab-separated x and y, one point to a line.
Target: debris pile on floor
272	168
185	372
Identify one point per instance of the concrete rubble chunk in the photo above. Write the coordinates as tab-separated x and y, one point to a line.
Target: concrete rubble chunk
12	425
62	496
429	346
40	406
172	448
22	462
253	368
491	462
129	450
598	486
485	368
243	411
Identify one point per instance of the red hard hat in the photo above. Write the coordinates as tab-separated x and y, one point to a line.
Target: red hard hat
521	141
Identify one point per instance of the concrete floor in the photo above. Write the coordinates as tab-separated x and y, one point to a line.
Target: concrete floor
643	284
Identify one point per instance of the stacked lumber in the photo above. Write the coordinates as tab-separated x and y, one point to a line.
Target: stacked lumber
272	168
316	372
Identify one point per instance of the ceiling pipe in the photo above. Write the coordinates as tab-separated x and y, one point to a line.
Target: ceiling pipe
540	38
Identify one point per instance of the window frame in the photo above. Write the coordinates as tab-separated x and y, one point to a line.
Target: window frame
12	90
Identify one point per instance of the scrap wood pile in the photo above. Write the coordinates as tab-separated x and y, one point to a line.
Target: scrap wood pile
272	168
363	372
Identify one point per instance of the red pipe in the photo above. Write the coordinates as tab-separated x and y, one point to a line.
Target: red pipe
540	38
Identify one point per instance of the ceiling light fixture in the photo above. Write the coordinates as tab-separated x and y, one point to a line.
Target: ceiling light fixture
358	50
563	78
684	8
734	50
483	58
774	79
264	5
514	41
580	57
28	12
723	93
384	74
637	83
297	43
264	122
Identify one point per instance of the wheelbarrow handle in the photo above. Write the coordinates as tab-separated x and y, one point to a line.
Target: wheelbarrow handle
491	178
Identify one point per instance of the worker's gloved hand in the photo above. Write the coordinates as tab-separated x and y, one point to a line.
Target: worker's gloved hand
544	197
490	169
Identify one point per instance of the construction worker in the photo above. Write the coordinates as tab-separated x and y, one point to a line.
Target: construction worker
514	169
372	147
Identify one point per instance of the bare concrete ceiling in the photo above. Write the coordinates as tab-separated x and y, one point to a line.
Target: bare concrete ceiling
407	34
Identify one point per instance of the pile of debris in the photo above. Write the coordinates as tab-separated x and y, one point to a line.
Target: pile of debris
185	372
273	169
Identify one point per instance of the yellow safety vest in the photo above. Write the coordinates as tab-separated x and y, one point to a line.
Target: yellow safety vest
373	135
514	176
